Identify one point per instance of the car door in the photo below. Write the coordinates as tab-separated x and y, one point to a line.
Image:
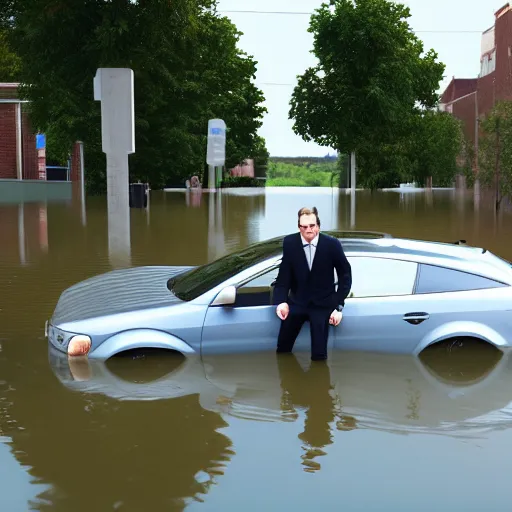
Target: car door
381	313
461	303
251	324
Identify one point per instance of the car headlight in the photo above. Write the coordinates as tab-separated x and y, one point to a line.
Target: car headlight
79	345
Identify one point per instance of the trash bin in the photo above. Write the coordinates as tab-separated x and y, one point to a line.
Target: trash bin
138	197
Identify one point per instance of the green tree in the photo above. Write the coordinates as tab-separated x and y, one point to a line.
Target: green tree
261	157
9	61
383	165
429	148
372	74
495	152
187	69
434	143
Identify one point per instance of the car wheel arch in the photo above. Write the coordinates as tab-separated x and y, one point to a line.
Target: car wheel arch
454	330
140	338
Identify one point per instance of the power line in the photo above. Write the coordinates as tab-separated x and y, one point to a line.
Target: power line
310	13
270	12
273	83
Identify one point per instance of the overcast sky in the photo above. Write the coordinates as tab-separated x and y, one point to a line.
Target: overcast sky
281	45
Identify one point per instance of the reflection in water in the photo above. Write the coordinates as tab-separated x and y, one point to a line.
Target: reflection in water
119	245
353	209
193	197
165	415
24	233
21	234
311	390
461	363
98	453
43	227
216	242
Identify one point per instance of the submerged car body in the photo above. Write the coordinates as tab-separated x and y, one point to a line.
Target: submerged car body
406	295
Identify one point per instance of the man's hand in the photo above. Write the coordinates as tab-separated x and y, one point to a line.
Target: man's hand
283	310
336	317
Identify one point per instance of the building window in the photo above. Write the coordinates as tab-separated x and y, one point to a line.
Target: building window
489	63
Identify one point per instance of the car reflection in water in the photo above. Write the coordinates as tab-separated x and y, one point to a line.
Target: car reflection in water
450	390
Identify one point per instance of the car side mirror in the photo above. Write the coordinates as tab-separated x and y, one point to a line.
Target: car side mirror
225	297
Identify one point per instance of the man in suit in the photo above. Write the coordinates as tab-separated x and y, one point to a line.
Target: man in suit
305	288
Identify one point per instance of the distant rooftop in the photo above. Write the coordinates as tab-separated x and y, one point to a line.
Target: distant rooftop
458	88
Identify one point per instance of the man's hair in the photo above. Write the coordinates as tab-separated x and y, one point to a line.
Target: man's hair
309	211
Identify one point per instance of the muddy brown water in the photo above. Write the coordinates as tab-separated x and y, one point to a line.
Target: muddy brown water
366	432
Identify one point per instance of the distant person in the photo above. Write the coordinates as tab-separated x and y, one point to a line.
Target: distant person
305	288
194	182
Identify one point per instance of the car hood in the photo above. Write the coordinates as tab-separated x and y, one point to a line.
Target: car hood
118	291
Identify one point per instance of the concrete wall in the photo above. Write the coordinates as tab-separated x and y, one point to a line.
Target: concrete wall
27	191
487	44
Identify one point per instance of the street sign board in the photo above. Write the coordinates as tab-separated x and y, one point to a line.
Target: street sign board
216	148
40	141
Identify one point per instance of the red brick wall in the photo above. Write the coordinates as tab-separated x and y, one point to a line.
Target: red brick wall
465	110
75	163
8	120
486	94
503	38
29	150
8	140
458	88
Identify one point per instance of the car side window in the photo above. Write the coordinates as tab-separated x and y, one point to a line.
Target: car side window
433	279
257	291
381	277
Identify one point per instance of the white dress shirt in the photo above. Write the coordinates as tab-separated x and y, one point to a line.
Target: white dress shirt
310	249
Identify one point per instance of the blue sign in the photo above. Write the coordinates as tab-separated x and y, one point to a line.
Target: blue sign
40	141
217	131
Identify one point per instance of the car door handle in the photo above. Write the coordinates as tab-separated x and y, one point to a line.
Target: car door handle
416	318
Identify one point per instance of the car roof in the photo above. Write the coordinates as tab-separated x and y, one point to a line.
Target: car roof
384	243
374	242
456	255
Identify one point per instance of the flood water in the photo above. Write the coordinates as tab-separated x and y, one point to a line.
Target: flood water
364	432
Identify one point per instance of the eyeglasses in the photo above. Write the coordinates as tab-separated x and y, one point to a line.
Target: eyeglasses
301	226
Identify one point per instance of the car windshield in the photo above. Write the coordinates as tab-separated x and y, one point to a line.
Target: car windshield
195	282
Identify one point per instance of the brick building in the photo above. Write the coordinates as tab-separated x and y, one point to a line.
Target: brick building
18	153
18	156
470	100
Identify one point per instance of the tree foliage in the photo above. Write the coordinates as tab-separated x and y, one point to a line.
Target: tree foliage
9	61
495	151
372	76
429	149
187	69
435	142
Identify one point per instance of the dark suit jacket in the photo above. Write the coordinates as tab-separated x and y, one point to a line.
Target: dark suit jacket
296	284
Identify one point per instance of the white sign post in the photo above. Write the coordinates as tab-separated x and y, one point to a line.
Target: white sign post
216	149
114	88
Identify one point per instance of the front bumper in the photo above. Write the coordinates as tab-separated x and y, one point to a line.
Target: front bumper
61	340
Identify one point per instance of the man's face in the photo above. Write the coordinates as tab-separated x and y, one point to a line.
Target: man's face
308	227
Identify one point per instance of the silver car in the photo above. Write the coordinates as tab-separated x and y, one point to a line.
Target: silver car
406	295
